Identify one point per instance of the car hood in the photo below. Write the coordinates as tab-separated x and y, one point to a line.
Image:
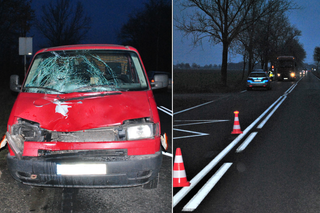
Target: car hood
67	113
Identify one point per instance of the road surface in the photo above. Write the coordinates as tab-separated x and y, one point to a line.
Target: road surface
277	170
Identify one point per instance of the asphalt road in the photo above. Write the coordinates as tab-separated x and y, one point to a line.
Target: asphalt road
16	197
279	169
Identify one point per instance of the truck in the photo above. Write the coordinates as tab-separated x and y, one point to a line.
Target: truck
286	68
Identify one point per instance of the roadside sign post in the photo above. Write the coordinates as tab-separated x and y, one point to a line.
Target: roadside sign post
25	48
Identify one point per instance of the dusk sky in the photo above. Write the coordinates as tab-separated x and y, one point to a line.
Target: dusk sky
107	18
306	20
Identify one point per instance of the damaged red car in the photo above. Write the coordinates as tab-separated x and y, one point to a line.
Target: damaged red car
85	116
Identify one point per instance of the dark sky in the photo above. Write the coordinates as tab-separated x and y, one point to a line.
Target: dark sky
107	17
306	20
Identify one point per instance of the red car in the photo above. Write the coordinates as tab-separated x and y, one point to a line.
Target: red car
85	116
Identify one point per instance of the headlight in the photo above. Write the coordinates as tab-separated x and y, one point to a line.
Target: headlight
141	131
28	130
292	74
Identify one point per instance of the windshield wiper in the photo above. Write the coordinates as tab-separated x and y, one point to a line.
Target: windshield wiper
44	88
102	86
89	96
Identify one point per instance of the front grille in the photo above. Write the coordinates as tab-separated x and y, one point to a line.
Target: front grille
112	154
93	135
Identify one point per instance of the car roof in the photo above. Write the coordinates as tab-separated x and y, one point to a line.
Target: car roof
88	47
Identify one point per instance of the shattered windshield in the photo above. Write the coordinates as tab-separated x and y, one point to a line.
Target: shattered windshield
85	71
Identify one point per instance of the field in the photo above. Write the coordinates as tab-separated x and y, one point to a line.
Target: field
207	81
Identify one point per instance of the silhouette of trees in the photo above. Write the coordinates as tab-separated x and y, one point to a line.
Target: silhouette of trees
150	31
16	17
223	21
316	56
63	23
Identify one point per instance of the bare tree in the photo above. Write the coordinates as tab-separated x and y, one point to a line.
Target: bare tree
222	21
150	31
62	23
16	17
272	36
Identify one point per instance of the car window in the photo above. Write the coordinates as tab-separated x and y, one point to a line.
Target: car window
85	71
258	75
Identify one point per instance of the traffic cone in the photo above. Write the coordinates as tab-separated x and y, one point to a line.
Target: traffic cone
179	174
236	125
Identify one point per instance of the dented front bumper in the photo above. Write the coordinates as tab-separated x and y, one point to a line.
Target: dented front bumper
122	170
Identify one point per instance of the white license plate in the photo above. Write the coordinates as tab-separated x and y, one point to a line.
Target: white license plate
81	169
257	80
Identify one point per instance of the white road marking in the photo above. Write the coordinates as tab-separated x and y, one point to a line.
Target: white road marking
246	142
200	105
167	154
196	134
193	107
271	113
197	122
195	180
165	110
204	191
284	97
292	87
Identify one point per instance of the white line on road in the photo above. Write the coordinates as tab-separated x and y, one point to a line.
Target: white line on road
248	140
165	110
193	107
292	87
287	92
271	113
195	180
200	105
276	107
196	134
204	191
199	122
167	154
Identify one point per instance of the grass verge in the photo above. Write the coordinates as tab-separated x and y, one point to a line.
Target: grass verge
207	81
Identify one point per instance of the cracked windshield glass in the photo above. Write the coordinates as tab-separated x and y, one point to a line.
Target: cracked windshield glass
60	72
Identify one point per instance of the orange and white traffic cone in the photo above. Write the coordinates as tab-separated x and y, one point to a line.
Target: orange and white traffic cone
236	125
179	173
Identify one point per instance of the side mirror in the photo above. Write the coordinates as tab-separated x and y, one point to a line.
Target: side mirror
160	81
14	83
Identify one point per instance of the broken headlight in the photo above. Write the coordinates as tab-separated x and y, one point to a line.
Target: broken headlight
28	130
